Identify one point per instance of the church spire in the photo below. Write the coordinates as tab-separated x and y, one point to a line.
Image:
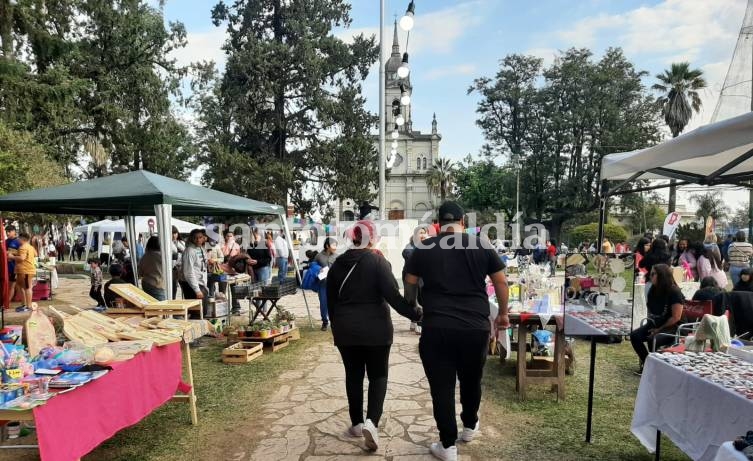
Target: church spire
395	43
434	124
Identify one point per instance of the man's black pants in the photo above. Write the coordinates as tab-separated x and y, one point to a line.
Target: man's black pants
448	354
373	360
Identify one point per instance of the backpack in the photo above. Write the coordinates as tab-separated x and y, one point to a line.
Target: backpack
310	280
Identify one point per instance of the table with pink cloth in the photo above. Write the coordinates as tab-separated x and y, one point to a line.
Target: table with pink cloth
72	424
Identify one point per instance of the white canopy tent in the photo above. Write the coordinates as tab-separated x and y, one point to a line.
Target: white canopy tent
143	225
718	153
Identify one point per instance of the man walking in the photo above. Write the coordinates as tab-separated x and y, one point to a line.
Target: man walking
455	338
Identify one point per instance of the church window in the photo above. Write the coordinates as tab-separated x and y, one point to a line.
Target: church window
424	163
418	163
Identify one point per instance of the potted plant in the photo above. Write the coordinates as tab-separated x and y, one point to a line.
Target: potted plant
253	330
276	330
285	326
265	329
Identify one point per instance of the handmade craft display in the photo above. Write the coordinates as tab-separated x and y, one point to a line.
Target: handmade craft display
598	302
723	369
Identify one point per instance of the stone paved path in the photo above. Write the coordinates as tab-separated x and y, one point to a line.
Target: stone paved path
307	418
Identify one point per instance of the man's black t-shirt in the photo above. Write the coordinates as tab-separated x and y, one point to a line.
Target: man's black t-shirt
454	280
660	306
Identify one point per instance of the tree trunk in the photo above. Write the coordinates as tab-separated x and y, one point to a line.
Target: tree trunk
6	29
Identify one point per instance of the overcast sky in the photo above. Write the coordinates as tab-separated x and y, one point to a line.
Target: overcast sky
454	42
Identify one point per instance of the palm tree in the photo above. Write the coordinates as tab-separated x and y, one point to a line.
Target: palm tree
710	204
679	85
440	177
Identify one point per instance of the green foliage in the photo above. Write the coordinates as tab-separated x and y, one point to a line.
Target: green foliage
739	218
287	111
710	204
92	81
556	124
691	231
590	233
440	178
642	212
24	164
483	185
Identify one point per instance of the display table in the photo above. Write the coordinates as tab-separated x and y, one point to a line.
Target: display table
727	452
72	424
639	305
696	414
525	375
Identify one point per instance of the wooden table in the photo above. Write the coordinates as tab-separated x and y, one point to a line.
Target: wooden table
265	315
555	375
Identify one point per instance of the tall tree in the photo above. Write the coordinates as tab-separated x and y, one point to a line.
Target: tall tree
554	125
93	80
679	86
739	218
482	185
711	204
287	110
440	177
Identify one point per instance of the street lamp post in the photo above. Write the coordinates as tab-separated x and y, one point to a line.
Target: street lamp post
382	121
406	23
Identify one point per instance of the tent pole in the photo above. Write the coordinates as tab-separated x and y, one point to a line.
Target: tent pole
603	195
163	212
89	235
130	223
284	220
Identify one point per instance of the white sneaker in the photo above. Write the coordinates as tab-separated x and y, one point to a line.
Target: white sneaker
468	434
418	329
412	326
445	454
370	435
356	431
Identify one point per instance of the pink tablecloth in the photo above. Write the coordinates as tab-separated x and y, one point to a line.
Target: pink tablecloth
72	424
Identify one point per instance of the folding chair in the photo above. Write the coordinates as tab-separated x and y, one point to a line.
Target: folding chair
692	313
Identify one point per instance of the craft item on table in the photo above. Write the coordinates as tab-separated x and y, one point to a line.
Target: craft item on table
70	379
39	331
720	368
609	322
76	331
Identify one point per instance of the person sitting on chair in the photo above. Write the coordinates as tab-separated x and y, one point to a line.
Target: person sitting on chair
664	304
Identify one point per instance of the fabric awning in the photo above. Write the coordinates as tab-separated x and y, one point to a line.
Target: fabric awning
134	194
719	153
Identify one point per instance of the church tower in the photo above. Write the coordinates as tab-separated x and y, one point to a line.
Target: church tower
396	87
407	194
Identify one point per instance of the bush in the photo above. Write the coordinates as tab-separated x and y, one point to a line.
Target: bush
590	232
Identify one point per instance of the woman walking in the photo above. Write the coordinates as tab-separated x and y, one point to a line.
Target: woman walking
360	286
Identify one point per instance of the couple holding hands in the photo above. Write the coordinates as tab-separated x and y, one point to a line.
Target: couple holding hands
452	267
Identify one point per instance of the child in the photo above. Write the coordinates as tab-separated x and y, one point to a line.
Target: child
96	278
25	269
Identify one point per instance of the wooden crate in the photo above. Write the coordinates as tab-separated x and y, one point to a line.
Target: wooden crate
294	334
278	342
242	352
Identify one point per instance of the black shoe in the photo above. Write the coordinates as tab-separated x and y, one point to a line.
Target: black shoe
324	326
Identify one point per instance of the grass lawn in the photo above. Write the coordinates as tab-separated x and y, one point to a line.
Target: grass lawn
543	429
228	398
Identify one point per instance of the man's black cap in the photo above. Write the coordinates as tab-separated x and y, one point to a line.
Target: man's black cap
450	211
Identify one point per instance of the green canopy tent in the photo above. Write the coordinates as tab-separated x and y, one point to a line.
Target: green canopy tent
141	193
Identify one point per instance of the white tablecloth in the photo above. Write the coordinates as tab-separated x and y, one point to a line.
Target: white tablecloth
639	304
696	414
727	452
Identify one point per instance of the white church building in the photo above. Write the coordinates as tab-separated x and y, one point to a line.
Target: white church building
407	194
